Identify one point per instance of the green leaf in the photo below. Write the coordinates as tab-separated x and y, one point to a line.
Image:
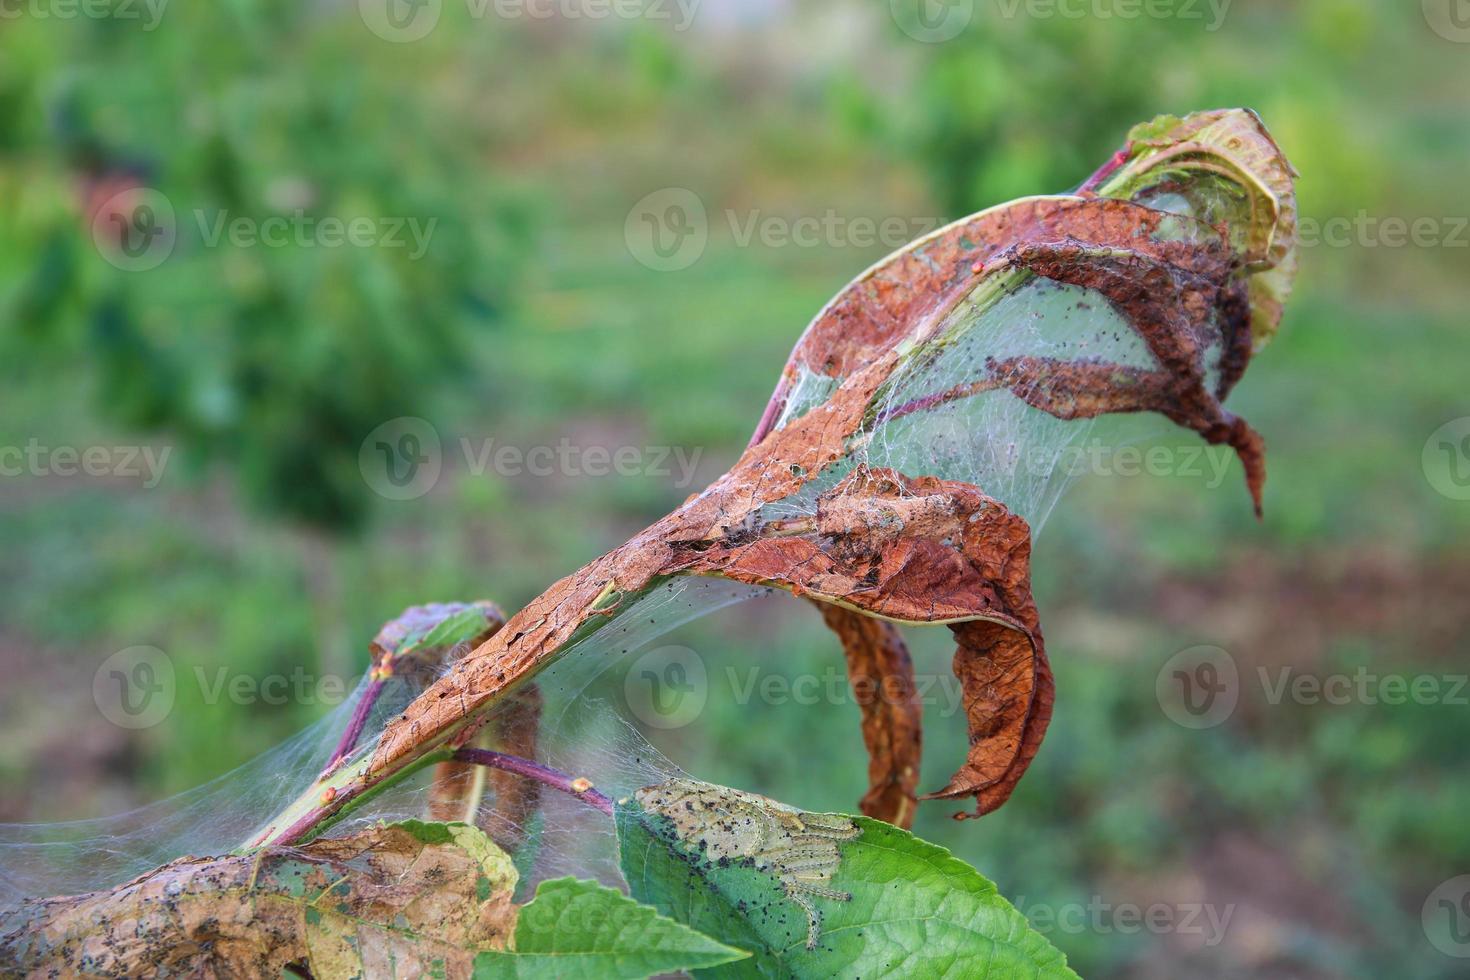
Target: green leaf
461	627
820	895
575	929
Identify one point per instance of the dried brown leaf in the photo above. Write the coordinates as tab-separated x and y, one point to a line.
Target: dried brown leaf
399	900
910	547
881	674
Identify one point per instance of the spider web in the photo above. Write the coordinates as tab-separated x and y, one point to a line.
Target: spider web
1020	455
577	735
949	410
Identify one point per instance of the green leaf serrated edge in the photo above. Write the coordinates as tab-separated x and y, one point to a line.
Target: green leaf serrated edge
916	909
576	929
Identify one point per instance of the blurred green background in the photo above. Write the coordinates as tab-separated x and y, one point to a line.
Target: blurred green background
540	309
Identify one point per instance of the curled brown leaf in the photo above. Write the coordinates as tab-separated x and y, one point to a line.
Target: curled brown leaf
881	674
806	509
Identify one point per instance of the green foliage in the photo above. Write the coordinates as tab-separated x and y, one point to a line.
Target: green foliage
461	627
265	338
580	930
984	136
913	909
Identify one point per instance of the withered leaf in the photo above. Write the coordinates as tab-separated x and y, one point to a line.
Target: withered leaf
1231	171
1186	237
407	899
881	674
414	645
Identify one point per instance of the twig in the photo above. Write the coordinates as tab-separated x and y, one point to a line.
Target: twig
773	411
360	714
579	787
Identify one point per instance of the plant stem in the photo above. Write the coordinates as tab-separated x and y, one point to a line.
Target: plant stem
545	775
360	714
773	410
